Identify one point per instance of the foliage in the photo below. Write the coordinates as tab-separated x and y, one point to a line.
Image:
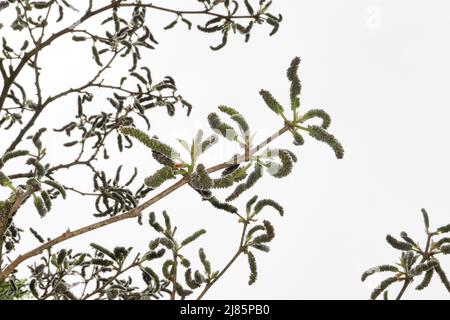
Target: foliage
30	177
416	262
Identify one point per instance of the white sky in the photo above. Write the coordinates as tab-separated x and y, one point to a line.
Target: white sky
379	67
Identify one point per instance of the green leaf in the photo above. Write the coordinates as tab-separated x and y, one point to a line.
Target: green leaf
268	202
426	280
382	268
320	134
426	219
159	177
39	205
253	177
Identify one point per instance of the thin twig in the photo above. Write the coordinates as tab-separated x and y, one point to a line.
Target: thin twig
229	264
130	214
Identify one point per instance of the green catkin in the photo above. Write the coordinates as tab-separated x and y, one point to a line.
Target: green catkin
253	268
206	264
47	200
37	138
426	219
292	74
149	275
14	154
268	236
192	283
287	158
33	184
162	159
61	256
230	169
153	144
154	244
253	177
255	229
236	117
227	180
181	291
200	179
298	138
166	243
33	289
405	237
39	168
185	263
40	206
399	245
261	247
159	177
152	222
382	286
423	267
57	186
320	134
224	129
198	277
223	182
167	269
268	202
318	113
444	229
382	268
250	203
442	241
442	276
167	222
154	254
222	206
96	56
193	237
426	280
120	253
271	102
445	249
37	235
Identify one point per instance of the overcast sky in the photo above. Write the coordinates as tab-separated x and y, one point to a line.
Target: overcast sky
379	67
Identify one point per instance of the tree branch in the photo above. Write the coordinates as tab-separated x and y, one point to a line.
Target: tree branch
132	213
229	264
89	14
